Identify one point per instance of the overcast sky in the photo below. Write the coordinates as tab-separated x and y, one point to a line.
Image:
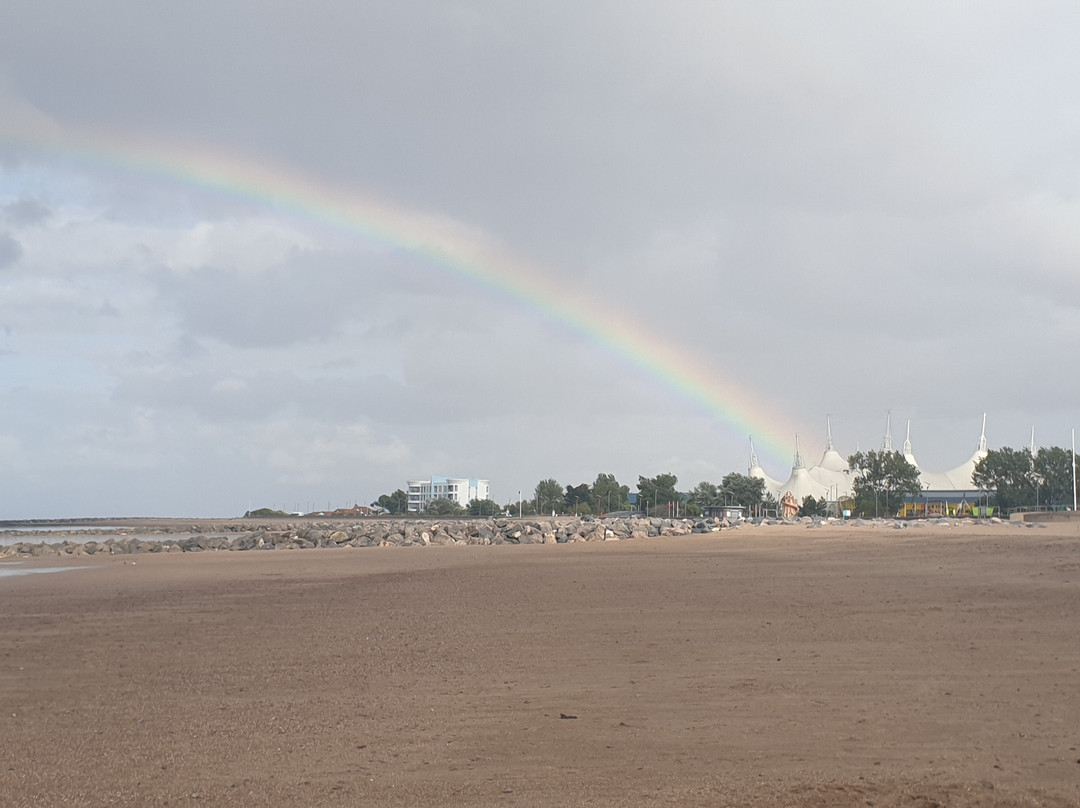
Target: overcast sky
822	208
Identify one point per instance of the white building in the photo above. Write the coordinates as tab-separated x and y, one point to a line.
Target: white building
831	479
456	489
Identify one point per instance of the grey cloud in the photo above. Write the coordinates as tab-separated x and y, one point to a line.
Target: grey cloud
25	212
272	308
311	298
572	121
828	207
10	250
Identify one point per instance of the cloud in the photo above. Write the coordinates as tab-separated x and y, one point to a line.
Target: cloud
824	208
25	212
300	456
10	250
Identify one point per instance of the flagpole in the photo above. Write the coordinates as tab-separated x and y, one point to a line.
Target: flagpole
1074	466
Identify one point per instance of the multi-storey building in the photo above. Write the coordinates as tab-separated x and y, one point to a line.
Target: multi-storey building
456	489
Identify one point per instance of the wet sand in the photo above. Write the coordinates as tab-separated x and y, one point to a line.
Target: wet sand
762	666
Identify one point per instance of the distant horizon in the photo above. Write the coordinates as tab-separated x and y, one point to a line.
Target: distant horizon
631	484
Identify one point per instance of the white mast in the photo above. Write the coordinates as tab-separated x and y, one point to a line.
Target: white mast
886	445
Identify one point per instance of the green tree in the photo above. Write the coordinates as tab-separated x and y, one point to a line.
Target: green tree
444	507
656	492
549	496
1020	480
814	507
608	496
769	503
882	480
702	495
395	503
1054	467
527	507
483	507
743	490
577	496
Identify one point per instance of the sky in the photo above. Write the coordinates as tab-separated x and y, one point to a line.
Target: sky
292	255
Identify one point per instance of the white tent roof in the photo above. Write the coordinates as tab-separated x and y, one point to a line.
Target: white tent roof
837	483
957	479
771	485
802	485
831	478
832	460
756	471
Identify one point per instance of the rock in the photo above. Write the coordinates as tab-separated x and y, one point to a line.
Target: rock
249	541
255	535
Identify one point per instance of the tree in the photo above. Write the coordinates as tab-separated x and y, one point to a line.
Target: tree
656	492
444	507
527	507
1009	473
548	495
1019	479
743	490
1054	466
483	507
608	495
395	503
576	496
882	480
703	494
769	503
814	507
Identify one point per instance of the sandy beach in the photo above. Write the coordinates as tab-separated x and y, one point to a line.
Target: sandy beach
776	666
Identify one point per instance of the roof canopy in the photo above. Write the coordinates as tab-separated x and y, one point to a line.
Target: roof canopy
832	478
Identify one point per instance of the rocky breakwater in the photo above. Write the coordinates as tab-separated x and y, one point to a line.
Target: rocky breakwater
251	535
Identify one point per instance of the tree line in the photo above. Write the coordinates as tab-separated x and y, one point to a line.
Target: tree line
1019	478
1009	478
657	496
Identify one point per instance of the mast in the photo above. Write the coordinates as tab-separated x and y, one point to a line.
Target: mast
886	445
1074	466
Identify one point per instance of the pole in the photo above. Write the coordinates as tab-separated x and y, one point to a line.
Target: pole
1074	469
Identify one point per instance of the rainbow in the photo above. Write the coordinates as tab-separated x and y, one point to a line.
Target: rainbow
442	241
